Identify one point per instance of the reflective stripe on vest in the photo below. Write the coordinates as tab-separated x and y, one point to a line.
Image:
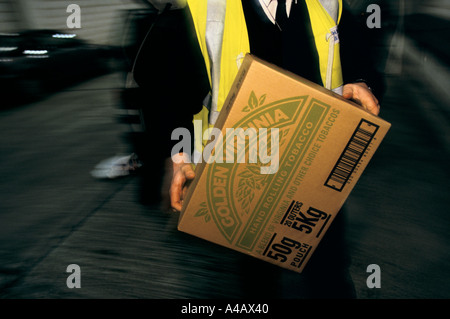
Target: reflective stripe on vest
325	16
223	38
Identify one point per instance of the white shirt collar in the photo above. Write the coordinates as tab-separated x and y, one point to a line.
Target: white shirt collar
270	8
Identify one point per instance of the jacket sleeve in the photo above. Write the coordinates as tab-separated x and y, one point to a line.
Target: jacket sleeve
358	58
172	74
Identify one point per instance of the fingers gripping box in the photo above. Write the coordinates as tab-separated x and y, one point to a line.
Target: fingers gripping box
285	157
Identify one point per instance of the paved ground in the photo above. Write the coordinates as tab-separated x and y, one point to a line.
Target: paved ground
53	213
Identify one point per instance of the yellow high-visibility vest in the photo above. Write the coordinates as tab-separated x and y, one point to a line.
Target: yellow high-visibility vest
223	38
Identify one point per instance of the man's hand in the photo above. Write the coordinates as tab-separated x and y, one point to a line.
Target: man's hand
360	93
182	173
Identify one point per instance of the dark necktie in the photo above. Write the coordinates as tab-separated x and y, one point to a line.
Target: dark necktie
281	16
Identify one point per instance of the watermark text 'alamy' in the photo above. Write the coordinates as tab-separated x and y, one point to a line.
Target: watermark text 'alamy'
239	145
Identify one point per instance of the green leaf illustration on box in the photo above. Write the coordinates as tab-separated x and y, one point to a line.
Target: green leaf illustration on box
250	181
203	212
254	102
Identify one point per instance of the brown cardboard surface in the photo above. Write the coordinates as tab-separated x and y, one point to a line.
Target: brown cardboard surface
324	144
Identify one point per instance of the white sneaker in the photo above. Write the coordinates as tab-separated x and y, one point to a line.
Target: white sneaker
116	166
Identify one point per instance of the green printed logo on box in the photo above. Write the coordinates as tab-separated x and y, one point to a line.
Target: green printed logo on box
297	148
238	194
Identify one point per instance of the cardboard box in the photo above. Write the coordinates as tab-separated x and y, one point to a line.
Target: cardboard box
324	144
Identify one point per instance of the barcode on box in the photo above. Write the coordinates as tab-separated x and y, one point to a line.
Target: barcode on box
352	154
